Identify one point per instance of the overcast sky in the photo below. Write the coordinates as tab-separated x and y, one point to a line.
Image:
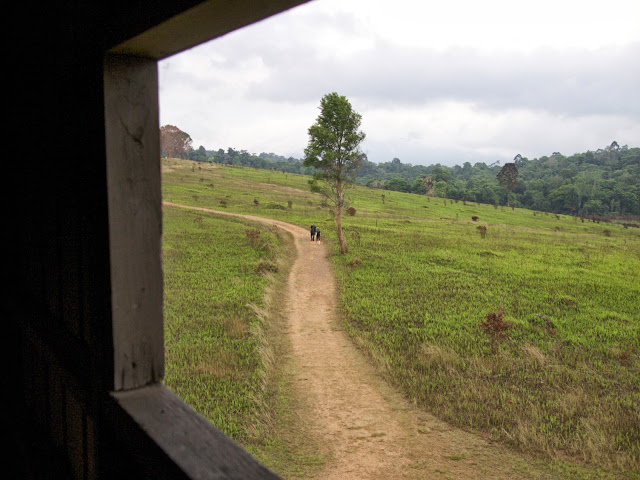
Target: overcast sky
435	81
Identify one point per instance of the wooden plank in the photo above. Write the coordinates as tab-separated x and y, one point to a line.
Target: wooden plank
135	219
199	24
191	441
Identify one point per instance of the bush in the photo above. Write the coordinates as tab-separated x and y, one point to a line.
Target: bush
496	327
276	206
351	211
314	187
253	235
266	267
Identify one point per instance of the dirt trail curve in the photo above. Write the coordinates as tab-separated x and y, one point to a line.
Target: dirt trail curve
366	429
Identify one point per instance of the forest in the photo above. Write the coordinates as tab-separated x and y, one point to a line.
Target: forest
605	182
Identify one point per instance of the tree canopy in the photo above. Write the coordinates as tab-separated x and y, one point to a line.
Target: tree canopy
174	143
508	177
601	182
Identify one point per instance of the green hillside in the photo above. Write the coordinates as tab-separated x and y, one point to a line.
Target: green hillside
424	273
605	182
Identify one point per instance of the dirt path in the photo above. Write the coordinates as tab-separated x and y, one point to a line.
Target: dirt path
365	429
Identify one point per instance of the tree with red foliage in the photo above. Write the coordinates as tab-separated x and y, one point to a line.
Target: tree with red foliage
174	142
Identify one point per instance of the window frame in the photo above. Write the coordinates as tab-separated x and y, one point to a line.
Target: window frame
131	110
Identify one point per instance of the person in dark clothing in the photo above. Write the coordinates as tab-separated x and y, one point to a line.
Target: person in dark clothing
313	231
318	235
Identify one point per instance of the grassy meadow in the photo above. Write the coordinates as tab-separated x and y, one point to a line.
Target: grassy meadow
217	357
562	383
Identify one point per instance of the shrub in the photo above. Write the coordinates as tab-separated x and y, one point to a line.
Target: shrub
496	327
276	206
351	211
253	235
314	187
482	230
266	267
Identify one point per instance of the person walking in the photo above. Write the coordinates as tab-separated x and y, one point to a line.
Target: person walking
318	235
313	231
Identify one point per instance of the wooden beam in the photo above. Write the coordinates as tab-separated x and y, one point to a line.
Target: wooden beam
198	448
199	24
135	219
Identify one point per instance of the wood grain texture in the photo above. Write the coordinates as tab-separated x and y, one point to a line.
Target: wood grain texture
135	219
197	447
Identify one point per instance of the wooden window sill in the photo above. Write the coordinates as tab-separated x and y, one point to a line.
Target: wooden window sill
196	447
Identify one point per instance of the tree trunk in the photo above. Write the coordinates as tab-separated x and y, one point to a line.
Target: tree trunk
343	244
340	197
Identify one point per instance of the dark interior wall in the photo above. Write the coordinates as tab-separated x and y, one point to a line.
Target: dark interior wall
58	298
58	348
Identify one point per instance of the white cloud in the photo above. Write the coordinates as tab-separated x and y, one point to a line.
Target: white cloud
436	82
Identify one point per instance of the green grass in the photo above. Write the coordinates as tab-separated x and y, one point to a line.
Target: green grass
425	278
415	301
224	333
214	282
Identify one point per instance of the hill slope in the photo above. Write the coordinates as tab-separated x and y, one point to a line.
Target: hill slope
422	277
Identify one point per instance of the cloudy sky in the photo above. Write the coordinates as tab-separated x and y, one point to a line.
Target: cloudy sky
435	81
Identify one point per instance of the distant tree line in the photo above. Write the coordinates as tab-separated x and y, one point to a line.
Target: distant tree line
267	161
175	143
602	182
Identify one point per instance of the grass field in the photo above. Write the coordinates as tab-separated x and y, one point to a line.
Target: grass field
420	277
217	358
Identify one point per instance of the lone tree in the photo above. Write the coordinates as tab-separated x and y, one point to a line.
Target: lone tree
508	178
174	142
334	149
429	187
